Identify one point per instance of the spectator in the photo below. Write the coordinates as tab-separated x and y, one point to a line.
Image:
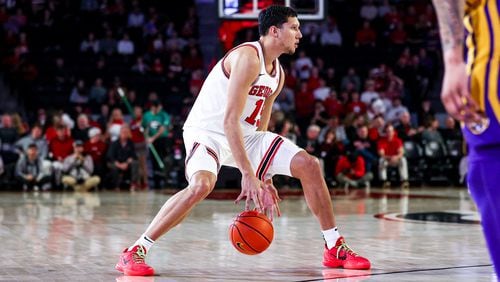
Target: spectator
81	130
355	106
157	124
136	18
60	147
8	138
78	170
395	111
79	94
320	116
140	146
384	8
329	150
107	45
303	65
331	36
322	91
368	11
333	106
333	123
425	113
125	46
391	153
366	36
351	78
121	159
35	137
351	171
311	143
97	95
365	147
90	44
369	94
431	133
96	148
29	171
288	129
376	128
115	124
304	106
140	67
404	128
451	131
285	101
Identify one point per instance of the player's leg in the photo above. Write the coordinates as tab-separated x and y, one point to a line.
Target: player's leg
179	205
483	179
201	169
337	254
272	154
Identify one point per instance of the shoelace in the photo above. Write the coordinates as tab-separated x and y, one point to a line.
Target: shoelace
139	255
346	248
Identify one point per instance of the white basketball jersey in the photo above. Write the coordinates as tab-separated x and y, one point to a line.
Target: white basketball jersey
210	106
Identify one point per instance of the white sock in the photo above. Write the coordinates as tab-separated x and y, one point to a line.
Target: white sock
331	236
144	241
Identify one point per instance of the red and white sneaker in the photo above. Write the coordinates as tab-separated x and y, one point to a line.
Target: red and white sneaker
132	262
342	256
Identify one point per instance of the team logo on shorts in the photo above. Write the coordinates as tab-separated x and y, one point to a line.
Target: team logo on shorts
478	127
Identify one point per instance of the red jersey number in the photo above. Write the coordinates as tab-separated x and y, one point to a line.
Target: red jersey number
252	118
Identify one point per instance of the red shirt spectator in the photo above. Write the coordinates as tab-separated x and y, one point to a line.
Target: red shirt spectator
95	147
390	145
366	35
135	129
353	170
61	146
333	106
304	101
356	106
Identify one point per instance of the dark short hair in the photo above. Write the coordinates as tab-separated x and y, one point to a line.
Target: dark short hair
274	15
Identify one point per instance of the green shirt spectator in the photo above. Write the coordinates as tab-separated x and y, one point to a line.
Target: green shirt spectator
156	122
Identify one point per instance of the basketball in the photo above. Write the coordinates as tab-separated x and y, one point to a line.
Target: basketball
251	232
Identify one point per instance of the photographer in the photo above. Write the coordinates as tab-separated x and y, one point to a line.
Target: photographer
78	169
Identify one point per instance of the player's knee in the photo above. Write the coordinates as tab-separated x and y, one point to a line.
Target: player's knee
307	163
201	188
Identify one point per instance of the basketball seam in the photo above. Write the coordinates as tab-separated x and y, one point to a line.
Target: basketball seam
265	219
245	241
260	233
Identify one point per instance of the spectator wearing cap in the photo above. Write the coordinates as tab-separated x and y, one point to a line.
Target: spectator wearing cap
29	170
78	170
96	148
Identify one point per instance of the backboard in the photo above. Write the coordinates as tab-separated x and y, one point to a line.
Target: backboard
249	9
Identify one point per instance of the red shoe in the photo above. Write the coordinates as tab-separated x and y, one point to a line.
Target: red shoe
342	256
132	262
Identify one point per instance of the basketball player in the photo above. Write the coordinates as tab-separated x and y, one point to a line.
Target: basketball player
471	94
227	126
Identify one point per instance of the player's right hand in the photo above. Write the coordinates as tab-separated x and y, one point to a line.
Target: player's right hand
250	189
455	94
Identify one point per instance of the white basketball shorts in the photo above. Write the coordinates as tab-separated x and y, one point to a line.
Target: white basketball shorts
269	153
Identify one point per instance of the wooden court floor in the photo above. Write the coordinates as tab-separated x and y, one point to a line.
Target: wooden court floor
427	234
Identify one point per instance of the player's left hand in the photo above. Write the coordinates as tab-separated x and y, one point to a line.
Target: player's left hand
270	199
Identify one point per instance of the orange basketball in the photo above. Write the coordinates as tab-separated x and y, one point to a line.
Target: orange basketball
251	232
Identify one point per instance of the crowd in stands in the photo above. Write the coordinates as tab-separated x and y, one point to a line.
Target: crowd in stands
358	93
